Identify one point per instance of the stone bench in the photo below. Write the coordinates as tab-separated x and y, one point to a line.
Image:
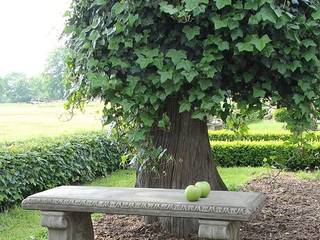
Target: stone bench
66	211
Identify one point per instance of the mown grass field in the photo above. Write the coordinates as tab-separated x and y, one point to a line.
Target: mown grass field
23	121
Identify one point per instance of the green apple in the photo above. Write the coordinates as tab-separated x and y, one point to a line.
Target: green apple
192	193
204	187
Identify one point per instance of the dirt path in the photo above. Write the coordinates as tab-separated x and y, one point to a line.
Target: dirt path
292	212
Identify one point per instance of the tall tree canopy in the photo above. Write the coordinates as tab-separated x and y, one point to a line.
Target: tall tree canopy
163	66
54	74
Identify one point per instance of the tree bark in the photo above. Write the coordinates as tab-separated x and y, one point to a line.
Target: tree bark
187	141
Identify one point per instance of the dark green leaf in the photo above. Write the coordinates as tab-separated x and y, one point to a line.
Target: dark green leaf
191	32
222	3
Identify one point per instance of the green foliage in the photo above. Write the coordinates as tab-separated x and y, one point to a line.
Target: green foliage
30	167
137	54
229	136
50	85
16	88
276	153
53	76
281	115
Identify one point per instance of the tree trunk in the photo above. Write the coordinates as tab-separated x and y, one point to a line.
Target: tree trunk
187	142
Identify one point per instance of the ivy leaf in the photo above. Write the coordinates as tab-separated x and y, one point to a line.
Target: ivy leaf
308	43
191	32
185	106
190	75
298	98
127	105
219	23
158	62
168	8
100	2
147	119
165	75
133	81
258	93
198	115
310	55
316	15
260	43
223	46
138	136
143	61
176	55
251	5
164	122
222	3
304	108
184	64
244	47
118	8
150	53
192	5
255	19
267	14
236	33
205	84
197	6
207	104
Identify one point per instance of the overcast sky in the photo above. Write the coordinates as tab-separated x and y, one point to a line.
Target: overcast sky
29	30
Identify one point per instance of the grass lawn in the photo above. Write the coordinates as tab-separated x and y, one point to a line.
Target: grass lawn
267	126
18	224
23	121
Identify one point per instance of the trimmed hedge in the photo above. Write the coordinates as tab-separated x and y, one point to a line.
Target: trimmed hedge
246	153
26	168
226	135
281	115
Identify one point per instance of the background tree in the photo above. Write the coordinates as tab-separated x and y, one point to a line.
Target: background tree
163	66
39	88
3	87
18	88
49	85
54	74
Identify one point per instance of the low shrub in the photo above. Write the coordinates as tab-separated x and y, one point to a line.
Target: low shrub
282	135
281	115
277	153
26	168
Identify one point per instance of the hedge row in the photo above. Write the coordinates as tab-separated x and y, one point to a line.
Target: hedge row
26	168
254	153
225	135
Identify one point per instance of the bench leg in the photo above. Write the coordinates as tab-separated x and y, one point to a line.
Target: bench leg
219	230
67	225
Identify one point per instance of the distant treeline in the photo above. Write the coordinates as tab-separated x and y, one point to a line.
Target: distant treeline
17	87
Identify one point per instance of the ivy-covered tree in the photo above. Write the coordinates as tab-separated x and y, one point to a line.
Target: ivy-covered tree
163	66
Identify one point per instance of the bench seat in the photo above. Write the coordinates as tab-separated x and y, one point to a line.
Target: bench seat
66	210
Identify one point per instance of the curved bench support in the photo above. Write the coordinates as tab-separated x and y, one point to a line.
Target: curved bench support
222	230
67	225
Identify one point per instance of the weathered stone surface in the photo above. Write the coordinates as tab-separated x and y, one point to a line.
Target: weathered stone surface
67	225
222	230
232	206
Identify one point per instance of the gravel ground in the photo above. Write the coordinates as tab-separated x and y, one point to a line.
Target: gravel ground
292	212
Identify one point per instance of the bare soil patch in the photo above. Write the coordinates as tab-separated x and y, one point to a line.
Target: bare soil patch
292	212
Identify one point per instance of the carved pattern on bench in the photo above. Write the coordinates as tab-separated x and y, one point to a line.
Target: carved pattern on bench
139	205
